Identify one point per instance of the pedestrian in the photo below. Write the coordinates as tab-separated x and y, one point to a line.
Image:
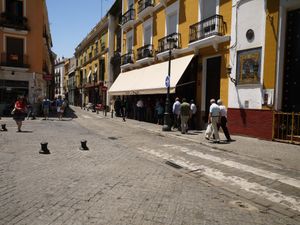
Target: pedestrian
176	113
192	121
117	106
159	111
140	107
59	107
19	112
46	107
223	121
185	112
124	106
214	118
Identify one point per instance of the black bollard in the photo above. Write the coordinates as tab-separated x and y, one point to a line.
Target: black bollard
3	126
83	145
44	148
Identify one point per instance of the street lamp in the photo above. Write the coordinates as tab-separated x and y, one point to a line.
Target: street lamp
95	93
167	119
228	71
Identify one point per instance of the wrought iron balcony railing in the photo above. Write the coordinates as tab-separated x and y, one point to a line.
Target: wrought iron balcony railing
145	52
127	58
143	4
129	15
169	42
14	60
213	25
13	21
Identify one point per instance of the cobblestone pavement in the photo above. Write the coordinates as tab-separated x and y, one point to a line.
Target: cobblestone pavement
124	179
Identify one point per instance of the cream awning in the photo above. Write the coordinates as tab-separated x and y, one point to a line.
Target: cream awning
150	79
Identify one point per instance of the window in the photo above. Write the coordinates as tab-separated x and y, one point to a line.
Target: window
130	4
147	35
208	8
14	8
129	41
172	23
14	51
172	18
102	69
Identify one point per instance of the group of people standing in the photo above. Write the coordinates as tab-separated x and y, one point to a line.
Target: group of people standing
217	118
22	109
184	115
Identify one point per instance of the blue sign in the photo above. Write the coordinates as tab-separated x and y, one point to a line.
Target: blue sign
167	81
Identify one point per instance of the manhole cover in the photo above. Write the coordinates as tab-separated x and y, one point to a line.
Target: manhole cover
173	164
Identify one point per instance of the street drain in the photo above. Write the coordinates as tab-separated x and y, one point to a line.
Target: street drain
112	138
173	165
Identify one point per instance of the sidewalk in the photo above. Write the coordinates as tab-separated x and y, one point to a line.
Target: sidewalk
281	154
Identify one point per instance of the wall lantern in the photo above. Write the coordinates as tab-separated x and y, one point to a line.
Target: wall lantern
228	71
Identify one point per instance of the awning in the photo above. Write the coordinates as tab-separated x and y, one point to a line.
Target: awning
150	79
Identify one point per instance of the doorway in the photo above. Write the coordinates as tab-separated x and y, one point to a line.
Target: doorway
291	78
213	70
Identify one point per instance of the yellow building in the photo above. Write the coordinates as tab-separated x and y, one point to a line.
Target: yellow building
194	34
25	46
91	71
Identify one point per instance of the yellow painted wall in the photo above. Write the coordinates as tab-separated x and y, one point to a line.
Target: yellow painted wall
271	39
158	26
226	12
188	16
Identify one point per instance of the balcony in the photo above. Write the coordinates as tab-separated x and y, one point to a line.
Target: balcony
14	60
145	8
145	55
128	19
13	21
127	60
164	45
207	32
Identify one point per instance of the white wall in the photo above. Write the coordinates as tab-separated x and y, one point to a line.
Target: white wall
246	14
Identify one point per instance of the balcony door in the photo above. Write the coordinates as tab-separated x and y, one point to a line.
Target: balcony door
208	8
14	8
172	23
14	51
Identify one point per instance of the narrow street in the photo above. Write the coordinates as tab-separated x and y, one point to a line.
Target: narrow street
132	175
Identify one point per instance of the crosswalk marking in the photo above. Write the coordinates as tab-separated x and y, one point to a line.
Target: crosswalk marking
86	117
255	188
260	172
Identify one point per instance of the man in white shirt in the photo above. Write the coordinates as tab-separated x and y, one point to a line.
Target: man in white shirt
214	118
140	107
176	113
223	122
192	122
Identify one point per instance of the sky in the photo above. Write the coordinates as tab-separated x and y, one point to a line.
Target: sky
71	20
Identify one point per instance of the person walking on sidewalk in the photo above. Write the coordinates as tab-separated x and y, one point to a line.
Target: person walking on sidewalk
214	118
223	121
46	107
19	112
192	121
176	113
59	107
185	111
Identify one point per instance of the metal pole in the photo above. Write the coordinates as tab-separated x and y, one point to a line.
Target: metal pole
167	119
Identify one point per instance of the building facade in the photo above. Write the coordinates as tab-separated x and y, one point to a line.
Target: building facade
59	77
193	35
264	62
25	44
91	70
